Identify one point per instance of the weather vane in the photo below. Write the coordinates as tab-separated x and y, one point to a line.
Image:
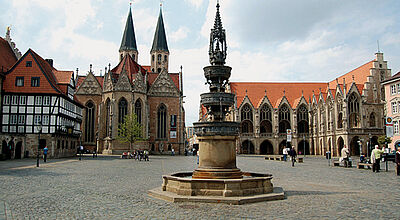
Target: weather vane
161	2
130	2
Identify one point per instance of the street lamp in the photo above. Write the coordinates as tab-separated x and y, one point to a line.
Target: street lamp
304	145
370	144
39	127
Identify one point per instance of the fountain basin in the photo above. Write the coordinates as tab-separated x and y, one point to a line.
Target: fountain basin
253	187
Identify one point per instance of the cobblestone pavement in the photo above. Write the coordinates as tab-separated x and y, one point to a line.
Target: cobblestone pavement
112	188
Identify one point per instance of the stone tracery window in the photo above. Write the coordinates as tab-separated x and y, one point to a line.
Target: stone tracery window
89	122
284	118
354	111
247	119
302	119
265	119
138	110
122	110
162	121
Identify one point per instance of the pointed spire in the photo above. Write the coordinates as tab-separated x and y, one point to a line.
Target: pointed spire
129	40
160	39
217	51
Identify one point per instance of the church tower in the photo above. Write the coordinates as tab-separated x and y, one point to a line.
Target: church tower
159	51
128	43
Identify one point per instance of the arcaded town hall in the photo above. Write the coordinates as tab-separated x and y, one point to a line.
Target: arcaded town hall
348	110
152	92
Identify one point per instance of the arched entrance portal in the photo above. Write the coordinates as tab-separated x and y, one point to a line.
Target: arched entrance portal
247	147
266	148
303	147
282	145
354	146
5	149
340	144
18	150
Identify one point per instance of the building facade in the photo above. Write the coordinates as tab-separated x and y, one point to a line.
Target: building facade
348	110
38	108
392	107
151	92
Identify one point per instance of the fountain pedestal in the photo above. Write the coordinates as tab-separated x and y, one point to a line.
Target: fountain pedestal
217	158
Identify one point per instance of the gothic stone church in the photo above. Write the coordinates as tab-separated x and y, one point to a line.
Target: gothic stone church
153	93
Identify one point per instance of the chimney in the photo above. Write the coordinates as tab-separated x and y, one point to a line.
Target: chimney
50	61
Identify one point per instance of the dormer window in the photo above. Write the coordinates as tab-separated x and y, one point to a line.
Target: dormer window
28	64
35	81
19	81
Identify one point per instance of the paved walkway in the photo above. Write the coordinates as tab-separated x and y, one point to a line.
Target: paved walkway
113	188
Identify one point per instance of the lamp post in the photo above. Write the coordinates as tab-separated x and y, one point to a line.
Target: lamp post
370	144
304	145
39	127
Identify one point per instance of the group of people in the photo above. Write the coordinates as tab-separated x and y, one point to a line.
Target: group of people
136	154
291	152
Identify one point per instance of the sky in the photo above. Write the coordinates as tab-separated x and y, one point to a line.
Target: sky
268	40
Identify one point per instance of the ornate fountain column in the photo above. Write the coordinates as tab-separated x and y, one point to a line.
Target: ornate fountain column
217	137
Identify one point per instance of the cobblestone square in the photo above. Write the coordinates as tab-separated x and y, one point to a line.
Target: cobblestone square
108	187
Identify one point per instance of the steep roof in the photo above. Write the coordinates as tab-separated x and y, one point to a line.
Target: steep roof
160	40
128	39
275	91
63	77
130	66
360	75
7	56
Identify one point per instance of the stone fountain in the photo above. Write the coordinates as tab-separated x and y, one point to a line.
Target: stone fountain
217	179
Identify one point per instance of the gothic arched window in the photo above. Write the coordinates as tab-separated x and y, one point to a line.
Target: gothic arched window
247	119
159	58
89	122
247	113
354	111
108	118
265	119
138	111
284	118
162	121
122	110
302	119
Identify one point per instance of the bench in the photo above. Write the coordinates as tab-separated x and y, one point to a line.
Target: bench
274	157
364	165
337	163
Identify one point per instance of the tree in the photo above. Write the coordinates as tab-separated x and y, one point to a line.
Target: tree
383	140
130	131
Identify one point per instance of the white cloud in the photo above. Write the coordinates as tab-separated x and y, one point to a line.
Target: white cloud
179	34
195	3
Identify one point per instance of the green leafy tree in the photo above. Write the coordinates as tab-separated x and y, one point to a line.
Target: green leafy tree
130	131
383	140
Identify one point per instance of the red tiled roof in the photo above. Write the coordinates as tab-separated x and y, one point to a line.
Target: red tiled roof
7	56
131	67
100	79
256	91
360	75
63	77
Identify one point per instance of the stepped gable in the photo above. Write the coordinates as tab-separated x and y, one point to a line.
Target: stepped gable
130	66
256	91
360	75
7	56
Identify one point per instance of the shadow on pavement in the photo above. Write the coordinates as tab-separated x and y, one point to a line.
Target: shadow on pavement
304	193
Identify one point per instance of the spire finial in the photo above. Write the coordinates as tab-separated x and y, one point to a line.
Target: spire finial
109	66
378	46
284	92
217	49
302	94
90	67
265	92
161	2
352	77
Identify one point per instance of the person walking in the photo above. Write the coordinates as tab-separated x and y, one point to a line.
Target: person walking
397	161
346	156
293	155
285	153
45	151
376	156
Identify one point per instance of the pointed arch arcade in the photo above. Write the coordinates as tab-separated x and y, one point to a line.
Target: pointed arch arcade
246	114
302	119
265	119
354	111
284	118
